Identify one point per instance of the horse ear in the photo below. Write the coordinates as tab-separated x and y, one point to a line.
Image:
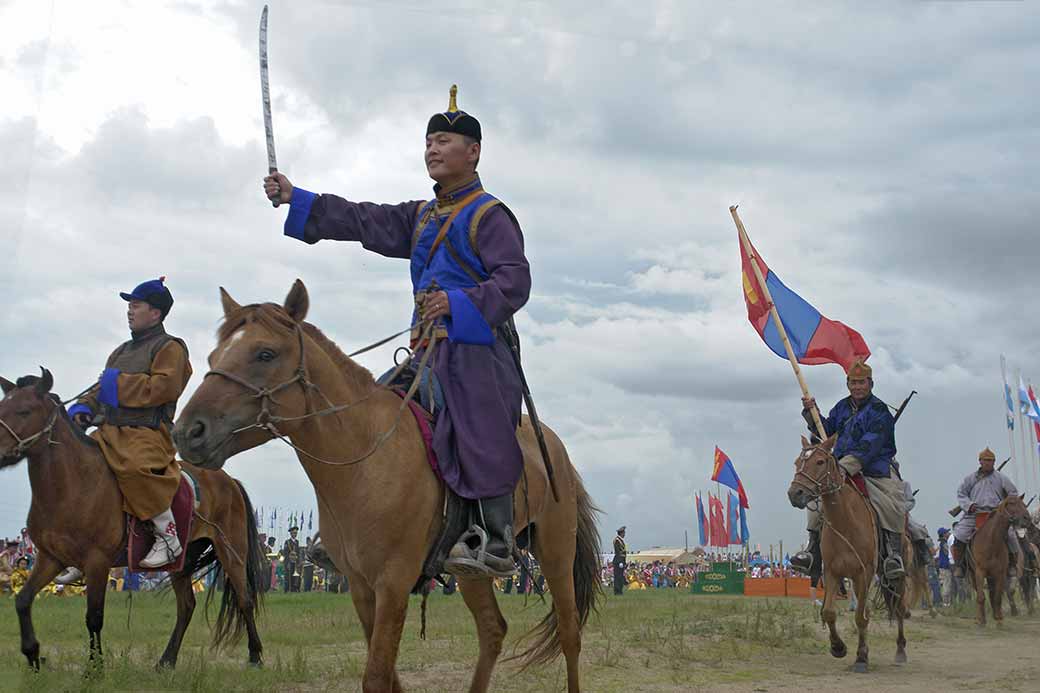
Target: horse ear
6	385
230	305
297	302
805	443
44	385
828	444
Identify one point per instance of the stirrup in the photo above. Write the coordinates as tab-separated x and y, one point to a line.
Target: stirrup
894	568
467	561
803	557
68	576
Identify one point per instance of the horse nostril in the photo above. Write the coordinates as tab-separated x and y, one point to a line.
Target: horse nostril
197	431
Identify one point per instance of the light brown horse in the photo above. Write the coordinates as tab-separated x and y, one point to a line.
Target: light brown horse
848	544
76	519
379	503
988	557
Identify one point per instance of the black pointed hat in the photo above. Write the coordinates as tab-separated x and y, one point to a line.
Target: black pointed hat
454	120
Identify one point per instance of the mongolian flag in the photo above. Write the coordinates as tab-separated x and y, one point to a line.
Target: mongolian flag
702	522
814	338
725	474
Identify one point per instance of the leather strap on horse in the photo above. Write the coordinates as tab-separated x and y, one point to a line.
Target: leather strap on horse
465	202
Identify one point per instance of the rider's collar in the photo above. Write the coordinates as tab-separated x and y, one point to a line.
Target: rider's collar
457	192
147	332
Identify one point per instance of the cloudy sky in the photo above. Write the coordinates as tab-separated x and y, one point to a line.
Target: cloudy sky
884	159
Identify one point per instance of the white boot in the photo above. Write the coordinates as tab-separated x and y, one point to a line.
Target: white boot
69	576
167	546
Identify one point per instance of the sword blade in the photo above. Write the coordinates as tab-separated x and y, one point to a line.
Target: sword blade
265	96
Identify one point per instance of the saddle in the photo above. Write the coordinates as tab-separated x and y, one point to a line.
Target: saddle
140	534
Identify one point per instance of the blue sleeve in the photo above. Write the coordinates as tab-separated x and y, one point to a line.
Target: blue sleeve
466	324
79	408
299	210
109	391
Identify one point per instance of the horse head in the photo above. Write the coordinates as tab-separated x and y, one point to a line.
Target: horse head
816	473
1015	508
26	413
258	365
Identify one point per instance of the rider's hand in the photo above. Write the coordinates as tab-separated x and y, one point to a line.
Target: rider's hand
434	305
82	419
808	403
973	508
278	187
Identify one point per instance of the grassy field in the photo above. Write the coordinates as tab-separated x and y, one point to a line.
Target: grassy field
644	641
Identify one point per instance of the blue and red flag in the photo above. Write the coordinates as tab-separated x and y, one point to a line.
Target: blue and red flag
725	474
744	534
814	338
702	522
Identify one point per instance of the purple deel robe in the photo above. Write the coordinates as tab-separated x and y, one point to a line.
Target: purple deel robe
475	434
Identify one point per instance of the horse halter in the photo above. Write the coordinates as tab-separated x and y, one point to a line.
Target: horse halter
22	445
264	419
817	487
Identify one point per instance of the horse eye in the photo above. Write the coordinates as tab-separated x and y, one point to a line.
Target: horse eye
23	413
265	355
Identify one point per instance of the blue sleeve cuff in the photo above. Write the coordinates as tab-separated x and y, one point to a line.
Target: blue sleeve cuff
466	324
79	409
109	393
299	210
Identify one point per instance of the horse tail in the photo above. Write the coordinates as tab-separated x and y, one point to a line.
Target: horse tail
231	619
545	637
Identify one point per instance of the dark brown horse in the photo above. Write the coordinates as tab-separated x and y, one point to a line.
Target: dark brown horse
988	557
379	503
848	543
76	519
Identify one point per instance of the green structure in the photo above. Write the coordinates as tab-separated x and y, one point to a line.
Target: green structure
723	578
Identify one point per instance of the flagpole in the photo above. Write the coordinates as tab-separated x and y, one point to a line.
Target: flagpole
1026	457
750	251
1016	461
1033	441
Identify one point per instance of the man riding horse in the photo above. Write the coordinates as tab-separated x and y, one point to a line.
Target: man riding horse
982	490
866	444
133	406
469	275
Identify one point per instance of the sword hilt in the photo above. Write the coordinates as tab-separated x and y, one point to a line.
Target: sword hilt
275	202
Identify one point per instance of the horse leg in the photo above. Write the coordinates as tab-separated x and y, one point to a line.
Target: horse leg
996	599
45	570
245	600
388	608
181	583
860	586
980	599
830	615
1010	591
556	554
491	628
97	582
901	599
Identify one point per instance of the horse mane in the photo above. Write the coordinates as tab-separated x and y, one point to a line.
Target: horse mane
30	381
274	317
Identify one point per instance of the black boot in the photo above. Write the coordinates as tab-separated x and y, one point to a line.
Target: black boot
957	553
486	548
808	561
1012	564
893	565
924	555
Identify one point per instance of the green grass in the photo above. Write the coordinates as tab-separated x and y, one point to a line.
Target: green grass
656	640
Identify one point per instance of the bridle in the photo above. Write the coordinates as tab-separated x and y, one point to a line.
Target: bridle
22	445
267	421
829	483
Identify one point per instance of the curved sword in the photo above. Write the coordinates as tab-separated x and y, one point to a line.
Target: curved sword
265	95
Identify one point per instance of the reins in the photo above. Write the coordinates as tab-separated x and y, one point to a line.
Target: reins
267	421
22	445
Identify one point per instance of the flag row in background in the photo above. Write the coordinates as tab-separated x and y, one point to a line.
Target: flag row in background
277	521
723	525
1025	448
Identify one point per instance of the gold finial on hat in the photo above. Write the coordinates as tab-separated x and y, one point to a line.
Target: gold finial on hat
452	106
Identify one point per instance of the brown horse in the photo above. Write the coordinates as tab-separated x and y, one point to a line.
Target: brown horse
848	543
988	557
76	519
379	503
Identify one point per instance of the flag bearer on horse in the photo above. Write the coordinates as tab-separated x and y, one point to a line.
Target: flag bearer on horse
469	275
866	444
133	406
982	490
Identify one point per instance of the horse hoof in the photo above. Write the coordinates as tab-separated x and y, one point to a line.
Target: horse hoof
255	665
900	658
839	651
164	665
860	667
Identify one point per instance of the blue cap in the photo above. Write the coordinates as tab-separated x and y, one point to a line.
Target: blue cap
943	530
154	293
